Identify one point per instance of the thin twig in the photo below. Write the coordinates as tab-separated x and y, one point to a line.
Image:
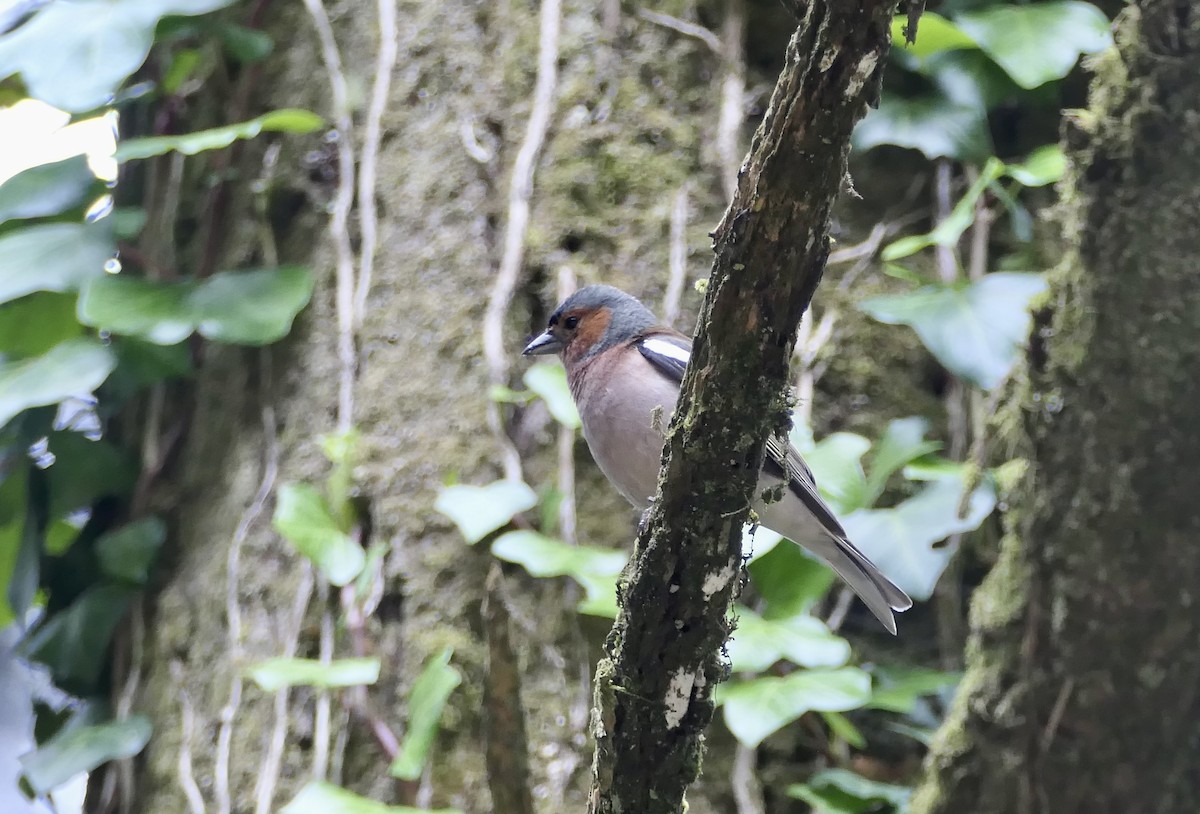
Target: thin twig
566	444
340	216
368	217
233	608
268	774
1056	713
187	723
747	788
733	92
677	262
321	715
841	607
683	27
519	194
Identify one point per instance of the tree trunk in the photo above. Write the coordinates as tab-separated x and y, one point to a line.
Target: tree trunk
1082	691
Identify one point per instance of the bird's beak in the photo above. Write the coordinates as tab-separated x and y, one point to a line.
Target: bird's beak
544	344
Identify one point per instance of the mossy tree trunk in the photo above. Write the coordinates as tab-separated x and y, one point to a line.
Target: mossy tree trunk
1082	692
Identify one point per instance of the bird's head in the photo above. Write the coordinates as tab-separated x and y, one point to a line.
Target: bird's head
591	320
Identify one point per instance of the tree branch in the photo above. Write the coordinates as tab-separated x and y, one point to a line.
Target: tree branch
653	695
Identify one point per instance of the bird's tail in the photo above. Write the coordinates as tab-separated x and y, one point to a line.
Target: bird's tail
877	592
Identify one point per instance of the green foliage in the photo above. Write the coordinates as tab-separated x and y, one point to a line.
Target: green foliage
69	368
319	797
548	380
81	747
308	522
52	257
129	552
838	791
429	694
975	329
477	511
758	643
46	190
280	121
76	55
276	674
758	707
67	642
241	307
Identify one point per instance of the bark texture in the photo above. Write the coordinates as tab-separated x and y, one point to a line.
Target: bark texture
1082	691
654	692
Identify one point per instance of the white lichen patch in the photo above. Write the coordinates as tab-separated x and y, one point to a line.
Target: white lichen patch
718	581
679	696
862	72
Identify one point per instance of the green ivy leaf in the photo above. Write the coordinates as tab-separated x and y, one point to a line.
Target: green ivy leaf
246	45
902	443
275	674
73	642
76	55
758	643
1040	42
836	463
902	540
304	519
600	596
127	553
790	581
759	707
933	123
899	690
240	307
319	797
52	257
975	330
78	749
544	556
480	510
1045	165
35	323
549	381
46	190
840	791
935	35
950	230
429	694
292	120
70	368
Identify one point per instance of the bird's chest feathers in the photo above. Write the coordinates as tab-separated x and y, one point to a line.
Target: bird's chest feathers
626	408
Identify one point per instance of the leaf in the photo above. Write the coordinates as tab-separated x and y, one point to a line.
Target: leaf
246	45
549	381
319	797
758	643
845	792
75	55
903	442
841	727
1045	165
933	123
275	674
757	708
544	556
480	510
73	643
127	553
46	190
304	519
836	463
790	581
600	596
241	307
288	120
898	690
950	230
976	330
901	540
79	749
429	694
52	257
935	35
70	368
35	323
1040	42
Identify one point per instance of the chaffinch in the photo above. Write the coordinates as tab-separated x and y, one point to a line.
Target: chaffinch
623	368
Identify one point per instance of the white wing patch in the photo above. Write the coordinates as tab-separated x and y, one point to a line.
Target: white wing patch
667	349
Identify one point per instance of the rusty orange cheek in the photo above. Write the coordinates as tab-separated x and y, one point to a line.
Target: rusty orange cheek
592	327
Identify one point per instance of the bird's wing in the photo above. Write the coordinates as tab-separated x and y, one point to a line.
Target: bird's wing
668	351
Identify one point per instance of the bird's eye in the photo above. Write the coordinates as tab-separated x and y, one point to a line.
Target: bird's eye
571	323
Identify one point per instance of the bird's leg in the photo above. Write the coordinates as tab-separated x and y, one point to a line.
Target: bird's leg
645	520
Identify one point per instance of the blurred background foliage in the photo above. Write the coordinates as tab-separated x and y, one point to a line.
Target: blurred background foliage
100	321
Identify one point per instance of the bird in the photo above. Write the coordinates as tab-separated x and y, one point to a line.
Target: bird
624	369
